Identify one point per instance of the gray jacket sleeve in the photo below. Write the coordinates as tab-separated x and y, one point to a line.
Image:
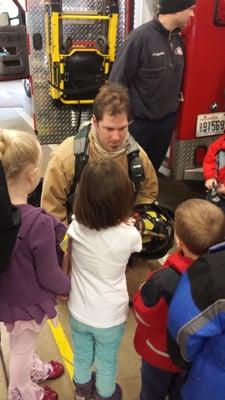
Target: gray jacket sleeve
127	61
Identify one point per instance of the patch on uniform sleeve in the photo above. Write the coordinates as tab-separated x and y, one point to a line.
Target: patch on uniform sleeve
179	51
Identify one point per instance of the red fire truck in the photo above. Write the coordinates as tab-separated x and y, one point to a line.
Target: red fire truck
202	110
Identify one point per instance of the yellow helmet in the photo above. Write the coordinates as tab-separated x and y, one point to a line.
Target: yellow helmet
156	224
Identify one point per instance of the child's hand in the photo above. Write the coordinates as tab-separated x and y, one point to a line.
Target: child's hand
209	183
130	221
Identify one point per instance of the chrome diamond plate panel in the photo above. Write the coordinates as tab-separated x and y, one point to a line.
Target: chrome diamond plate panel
183	155
55	124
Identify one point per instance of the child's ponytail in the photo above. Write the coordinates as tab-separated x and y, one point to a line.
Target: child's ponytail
17	150
3	143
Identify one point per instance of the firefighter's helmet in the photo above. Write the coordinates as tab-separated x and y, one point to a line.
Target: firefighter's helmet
156	224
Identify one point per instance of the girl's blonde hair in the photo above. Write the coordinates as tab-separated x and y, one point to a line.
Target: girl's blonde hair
17	150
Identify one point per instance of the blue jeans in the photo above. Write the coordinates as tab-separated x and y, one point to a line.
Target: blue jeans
156	383
98	346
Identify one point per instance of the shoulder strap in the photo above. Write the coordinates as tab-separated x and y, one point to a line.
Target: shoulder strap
133	145
81	155
80	151
136	169
135	165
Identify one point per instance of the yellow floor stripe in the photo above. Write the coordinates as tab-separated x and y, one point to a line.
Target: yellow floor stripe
63	346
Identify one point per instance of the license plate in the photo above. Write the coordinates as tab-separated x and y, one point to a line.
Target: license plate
210	124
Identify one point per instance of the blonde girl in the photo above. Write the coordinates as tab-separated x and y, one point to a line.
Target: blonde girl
32	278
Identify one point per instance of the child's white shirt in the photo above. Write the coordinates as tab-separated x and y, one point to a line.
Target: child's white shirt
98	295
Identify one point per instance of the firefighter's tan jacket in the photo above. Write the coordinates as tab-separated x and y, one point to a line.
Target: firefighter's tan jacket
60	172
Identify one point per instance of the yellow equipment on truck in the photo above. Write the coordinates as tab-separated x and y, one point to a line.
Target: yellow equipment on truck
80	62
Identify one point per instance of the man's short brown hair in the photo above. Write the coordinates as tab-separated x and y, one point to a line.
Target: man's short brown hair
112	99
199	224
104	196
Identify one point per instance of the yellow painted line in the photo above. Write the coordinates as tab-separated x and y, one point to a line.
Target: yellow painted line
63	346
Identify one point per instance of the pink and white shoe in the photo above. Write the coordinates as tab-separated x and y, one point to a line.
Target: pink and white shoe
57	369
49	394
42	370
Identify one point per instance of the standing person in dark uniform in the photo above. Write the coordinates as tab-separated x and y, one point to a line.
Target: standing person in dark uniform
150	64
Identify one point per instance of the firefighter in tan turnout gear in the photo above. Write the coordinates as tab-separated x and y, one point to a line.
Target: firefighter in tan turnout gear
106	136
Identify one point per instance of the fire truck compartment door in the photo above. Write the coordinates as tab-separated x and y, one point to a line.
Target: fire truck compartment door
13	52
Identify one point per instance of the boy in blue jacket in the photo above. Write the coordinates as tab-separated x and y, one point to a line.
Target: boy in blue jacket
198	226
197	328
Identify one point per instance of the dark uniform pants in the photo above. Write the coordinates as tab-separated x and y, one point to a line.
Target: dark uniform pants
154	136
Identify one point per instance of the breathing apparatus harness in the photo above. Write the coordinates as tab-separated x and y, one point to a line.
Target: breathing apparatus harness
81	156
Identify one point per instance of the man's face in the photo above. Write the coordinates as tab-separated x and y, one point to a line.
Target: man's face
183	17
111	130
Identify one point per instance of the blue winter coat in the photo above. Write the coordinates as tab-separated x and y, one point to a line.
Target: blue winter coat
197	324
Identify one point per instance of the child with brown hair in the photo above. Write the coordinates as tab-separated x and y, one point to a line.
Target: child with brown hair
102	241
198	226
31	277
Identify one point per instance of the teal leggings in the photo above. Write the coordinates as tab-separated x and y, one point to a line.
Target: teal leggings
98	346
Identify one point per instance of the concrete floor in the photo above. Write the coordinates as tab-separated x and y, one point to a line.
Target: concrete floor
128	360
171	193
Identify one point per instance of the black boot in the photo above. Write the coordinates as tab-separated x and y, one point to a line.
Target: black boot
117	395
85	391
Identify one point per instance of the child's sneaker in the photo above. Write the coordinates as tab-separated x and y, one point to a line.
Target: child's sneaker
57	369
42	370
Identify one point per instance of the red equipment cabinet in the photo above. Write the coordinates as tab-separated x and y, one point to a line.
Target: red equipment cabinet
202	112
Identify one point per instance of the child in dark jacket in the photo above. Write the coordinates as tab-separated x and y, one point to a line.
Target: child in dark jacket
198	225
32	277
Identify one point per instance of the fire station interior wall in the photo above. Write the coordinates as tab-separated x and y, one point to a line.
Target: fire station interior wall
143	11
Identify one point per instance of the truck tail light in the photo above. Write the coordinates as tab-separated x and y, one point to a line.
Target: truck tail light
199	155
